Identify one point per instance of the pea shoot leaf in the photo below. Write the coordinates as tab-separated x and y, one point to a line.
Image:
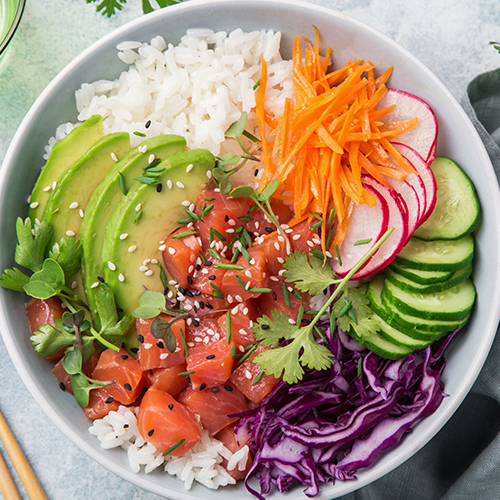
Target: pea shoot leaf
162	329
151	305
32	242
46	282
308	274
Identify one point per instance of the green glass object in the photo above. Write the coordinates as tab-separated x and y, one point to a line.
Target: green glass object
10	16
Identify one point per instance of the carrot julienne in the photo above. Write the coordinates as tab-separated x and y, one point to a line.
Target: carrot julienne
329	135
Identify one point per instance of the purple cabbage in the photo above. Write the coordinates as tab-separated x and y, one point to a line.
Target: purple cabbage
335	422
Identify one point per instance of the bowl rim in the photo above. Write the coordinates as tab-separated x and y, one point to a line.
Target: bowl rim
13	27
446	411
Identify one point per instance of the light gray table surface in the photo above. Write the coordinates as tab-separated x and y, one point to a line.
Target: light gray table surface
451	37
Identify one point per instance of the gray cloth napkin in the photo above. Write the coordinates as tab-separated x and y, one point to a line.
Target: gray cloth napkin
462	462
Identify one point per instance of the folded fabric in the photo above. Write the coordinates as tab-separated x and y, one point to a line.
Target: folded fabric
462	462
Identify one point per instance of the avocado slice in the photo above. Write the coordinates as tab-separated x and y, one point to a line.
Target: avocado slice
106	197
64	153
146	216
67	203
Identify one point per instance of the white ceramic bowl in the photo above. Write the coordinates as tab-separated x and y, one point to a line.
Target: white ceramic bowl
348	38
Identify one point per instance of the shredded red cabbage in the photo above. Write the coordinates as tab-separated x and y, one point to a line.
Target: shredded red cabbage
337	421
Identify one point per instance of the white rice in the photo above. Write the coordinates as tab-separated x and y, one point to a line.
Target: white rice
202	463
195	89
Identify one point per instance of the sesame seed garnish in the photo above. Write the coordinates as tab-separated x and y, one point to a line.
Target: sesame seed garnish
161	248
151	158
228	388
123	236
291	321
34	204
54	185
169	184
81	213
140	338
234	310
281	260
148	346
149	273
170	294
295	237
189	167
74	285
111	266
164	355
203	386
248	274
210	356
215	390
127	386
329	255
138	207
121	277
133	248
252	262
192	207
95	284
248	375
109	400
209	174
114	157
70	233
143	148
186	203
180	184
171	250
151	432
238	298
100	278
229	298
47	188
206	340
277	245
245	311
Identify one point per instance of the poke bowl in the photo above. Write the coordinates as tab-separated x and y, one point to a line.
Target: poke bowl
349	39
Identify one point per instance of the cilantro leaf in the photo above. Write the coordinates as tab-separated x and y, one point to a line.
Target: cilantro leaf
67	253
315	356
282	361
32	242
271	331
108	7
358	315
14	279
308	274
48	340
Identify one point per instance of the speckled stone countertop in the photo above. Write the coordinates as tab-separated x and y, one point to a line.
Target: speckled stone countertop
451	37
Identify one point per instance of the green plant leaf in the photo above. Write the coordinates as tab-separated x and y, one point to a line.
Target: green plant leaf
32	242
14	279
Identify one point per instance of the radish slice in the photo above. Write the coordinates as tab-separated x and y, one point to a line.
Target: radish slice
398	219
365	223
425	174
422	138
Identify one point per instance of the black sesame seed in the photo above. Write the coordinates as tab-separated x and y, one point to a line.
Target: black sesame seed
265	327
159	187
189	293
202	304
62	386
197	293
228	388
196	322
182	290
119	309
207	263
101	279
210	356
209	306
151	432
126	426
124	356
212	277
123	345
215	389
128	387
140	338
275	296
269	229
195	309
160	344
134	349
256	173
109	400
150	371
148	124
226	218
190	280
171	406
203	386
188	378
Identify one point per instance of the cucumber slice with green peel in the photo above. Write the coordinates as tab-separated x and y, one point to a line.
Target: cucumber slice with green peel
420	276
437	255
410	286
398	338
457	211
450	305
403	323
381	346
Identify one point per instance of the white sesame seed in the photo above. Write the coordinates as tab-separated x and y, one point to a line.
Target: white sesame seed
280	238
147	346
192	207
164	355
198	339
161	248
290	289
329	255
153	261
151	158
146	261
206	340
257	224
252	262
248	375
317	241
81	213
251	323
245	311
54	185
247	286
189	167
248	274
37	222
288	231
34	204
114	157
230	230
149	273
94	285
190	344
230	299
217	336
111	266
47	188
74	285
210	332
192	257
171	250
209	174
295	237
70	233
188	307
169	184
310	243
180	184
170	294
231	222
123	236
121	277
190	225
281	271
143	148
143	269
186	203
284	226
277	245
133	248
138	207
242	331
189	322
238	298
190	269
281	260
274	278
291	321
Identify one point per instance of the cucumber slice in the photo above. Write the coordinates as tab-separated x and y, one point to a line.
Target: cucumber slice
420	276
438	255
381	346
450	305
399	338
405	324
457	209
409	285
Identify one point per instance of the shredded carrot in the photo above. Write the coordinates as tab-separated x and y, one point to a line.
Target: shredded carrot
330	134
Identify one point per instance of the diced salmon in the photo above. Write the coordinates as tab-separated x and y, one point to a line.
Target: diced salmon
204	331
123	368
208	279
100	404
180	255
303	238
152	351
260	223
215	405
168	379
164	422
245	376
211	363
243	315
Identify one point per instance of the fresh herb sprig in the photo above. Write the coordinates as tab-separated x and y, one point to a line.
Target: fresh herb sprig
110	7
301	349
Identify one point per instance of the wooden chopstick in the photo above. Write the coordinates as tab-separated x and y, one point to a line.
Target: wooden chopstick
23	468
7	485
